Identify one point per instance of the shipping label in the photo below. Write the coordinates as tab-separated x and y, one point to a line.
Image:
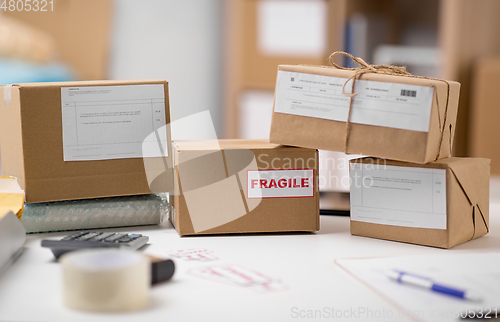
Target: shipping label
398	196
112	122
394	105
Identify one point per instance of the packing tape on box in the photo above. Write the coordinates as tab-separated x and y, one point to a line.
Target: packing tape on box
106	280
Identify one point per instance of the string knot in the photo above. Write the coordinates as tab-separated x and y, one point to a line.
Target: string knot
365	68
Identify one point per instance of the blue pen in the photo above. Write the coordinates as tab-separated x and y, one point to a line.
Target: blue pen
411	279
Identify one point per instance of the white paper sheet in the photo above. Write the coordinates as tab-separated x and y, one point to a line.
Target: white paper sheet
9	185
474	271
334	170
110	122
399	106
256	109
398	196
292	28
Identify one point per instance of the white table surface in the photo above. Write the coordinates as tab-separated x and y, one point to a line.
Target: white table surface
31	290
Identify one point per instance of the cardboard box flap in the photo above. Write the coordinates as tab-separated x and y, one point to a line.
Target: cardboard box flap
480	225
470	178
185	145
91	83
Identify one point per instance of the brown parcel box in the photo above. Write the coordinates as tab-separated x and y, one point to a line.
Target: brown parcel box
485	112
31	134
459	213
311	111
217	187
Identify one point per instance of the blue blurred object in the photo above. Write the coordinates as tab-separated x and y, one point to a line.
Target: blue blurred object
17	71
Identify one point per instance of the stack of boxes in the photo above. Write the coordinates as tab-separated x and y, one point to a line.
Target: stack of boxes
77	148
74	141
409	190
422	195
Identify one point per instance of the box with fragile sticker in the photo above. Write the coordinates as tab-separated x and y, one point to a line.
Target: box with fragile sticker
82	140
441	204
395	117
244	186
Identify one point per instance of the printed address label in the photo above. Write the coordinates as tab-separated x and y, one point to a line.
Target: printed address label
280	183
113	122
395	105
398	196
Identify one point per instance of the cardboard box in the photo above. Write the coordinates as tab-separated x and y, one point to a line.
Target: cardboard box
244	186
484	114
79	140
394	117
441	204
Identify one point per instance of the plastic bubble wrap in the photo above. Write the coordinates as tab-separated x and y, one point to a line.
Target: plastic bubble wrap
95	213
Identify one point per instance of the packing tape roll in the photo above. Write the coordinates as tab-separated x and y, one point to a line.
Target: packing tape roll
106	280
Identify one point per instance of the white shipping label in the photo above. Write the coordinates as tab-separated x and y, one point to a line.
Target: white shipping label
400	106
112	122
280	183
292	28
398	196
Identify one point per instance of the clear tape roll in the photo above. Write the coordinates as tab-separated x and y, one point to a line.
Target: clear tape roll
106	280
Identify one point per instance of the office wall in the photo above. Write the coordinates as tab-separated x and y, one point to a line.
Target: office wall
180	41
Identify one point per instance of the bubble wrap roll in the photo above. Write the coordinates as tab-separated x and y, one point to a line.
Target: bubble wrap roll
95	213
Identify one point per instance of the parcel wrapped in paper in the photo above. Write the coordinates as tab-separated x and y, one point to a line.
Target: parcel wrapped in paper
380	111
441	204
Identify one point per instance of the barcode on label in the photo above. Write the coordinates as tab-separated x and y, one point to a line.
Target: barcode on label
407	92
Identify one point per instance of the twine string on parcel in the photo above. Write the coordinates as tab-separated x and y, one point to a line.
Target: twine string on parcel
366	68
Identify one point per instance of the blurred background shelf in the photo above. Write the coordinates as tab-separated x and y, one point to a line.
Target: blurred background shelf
81	31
